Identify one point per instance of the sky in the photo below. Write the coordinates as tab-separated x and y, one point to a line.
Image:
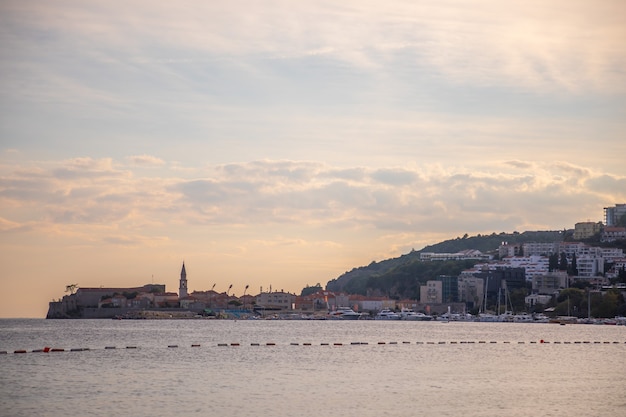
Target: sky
280	143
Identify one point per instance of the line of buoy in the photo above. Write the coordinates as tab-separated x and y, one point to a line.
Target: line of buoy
234	344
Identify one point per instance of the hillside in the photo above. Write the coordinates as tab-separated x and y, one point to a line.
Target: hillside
400	277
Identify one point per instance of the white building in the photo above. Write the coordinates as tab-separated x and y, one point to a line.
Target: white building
612	254
540	248
611	234
533	265
458	256
589	266
534	299
579	249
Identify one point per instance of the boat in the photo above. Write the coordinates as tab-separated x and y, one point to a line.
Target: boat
410	315
540	318
522	318
344	313
387	314
564	320
487	317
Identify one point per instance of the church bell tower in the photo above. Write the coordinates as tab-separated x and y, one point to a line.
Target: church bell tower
182	289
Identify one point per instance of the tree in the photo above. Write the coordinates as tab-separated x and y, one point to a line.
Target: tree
553	262
609	305
573	269
518	299
308	290
71	288
563	262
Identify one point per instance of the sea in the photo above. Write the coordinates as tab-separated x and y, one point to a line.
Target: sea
283	368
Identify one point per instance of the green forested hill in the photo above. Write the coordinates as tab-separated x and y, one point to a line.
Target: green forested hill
401	277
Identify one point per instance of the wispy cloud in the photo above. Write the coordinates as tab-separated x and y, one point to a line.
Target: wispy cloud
575	46
145	160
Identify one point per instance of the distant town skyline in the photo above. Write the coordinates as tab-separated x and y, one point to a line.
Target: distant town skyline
270	143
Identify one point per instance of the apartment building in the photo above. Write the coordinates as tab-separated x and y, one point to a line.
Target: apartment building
585	230
613	215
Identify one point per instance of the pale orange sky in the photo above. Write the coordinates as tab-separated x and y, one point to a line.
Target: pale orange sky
272	143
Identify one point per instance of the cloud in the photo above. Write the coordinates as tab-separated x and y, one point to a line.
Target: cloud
519	164
394	200
145	160
394	176
564	45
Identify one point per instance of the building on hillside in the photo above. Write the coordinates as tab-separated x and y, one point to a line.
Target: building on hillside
449	288
550	282
589	266
579	249
468	254
506	249
471	290
613	233
431	293
619	265
445	289
613	215
611	254
585	230
541	248
533	264
593	281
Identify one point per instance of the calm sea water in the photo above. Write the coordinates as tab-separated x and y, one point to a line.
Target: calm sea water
422	369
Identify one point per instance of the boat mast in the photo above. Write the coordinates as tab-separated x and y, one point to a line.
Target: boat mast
485	295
